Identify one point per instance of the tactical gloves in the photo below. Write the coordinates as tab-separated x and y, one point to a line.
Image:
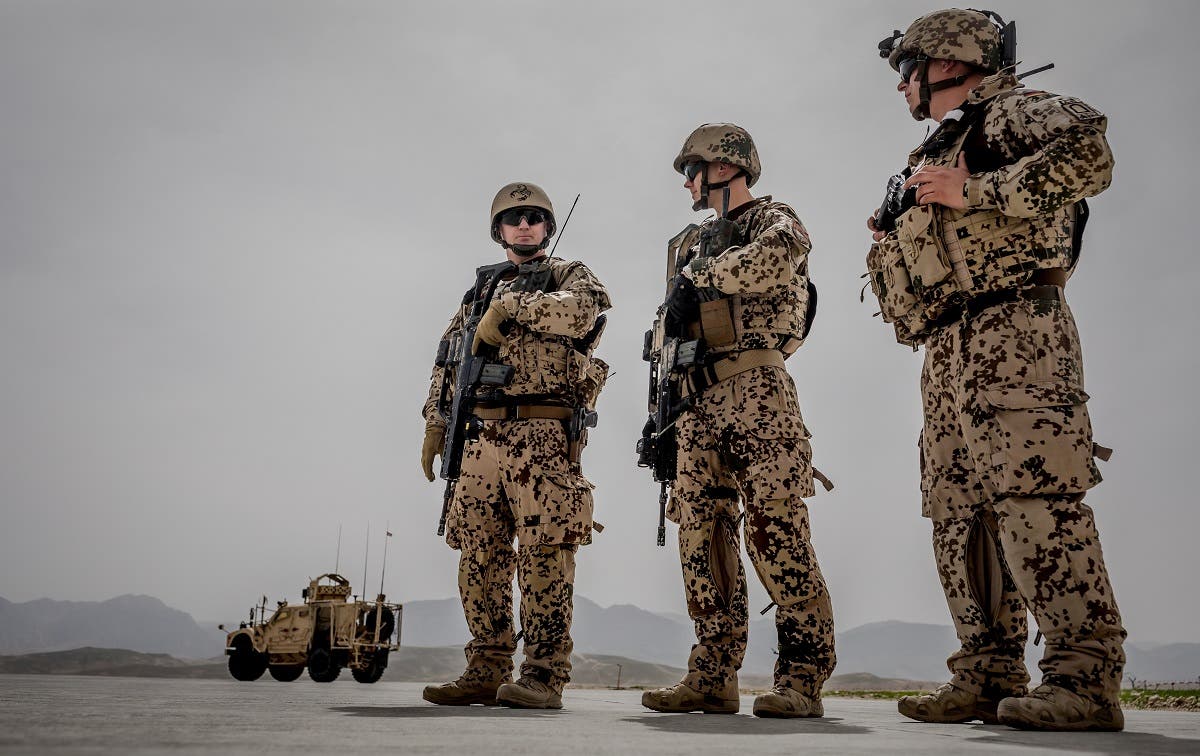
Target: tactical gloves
683	305
435	441
488	331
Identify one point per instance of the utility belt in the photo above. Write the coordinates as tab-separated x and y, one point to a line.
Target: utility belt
576	420
717	368
972	307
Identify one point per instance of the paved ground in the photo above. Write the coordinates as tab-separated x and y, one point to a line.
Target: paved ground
46	714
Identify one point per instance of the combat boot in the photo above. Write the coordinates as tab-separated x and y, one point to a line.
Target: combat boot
529	693
462	692
783	703
949	705
1049	707
681	698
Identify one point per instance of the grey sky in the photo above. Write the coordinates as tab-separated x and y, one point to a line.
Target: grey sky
233	233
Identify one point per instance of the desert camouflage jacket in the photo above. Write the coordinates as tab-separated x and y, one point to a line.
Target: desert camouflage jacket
765	279
541	345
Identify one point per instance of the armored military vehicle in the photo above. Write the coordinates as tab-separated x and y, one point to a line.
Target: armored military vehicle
327	632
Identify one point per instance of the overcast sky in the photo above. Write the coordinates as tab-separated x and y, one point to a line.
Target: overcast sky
233	233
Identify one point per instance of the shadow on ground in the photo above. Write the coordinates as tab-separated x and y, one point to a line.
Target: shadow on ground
429	711
1106	743
740	724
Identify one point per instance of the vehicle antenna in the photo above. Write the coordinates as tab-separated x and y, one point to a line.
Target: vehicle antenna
564	227
383	569
366	551
338	559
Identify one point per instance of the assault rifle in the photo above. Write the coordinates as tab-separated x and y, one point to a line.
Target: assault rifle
471	371
658	448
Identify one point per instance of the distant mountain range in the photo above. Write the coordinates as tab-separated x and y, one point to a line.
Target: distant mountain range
140	623
898	651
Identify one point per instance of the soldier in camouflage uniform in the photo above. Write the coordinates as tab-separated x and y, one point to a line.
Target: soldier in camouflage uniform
974	268
521	477
741	439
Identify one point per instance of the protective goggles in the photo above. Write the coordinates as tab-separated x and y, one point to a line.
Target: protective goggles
692	170
532	216
908	65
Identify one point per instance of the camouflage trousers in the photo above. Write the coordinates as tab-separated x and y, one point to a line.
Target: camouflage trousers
1006	456
744	439
516	483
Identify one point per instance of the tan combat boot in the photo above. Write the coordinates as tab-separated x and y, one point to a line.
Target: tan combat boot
681	698
462	692
1049	707
783	702
528	693
949	705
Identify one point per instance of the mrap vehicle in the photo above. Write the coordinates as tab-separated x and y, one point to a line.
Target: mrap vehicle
327	632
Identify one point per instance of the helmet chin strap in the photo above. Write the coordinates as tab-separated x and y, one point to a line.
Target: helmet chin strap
526	250
927	89
702	203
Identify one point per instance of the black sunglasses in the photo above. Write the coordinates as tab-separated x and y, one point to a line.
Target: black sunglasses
513	217
692	170
907	66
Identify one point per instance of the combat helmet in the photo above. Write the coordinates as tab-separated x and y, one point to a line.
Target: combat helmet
978	38
521	194
720	142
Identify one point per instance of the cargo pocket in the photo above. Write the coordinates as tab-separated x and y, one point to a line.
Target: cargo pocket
1039	440
765	404
562	513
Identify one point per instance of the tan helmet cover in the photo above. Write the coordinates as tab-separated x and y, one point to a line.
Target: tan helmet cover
723	142
967	36
521	194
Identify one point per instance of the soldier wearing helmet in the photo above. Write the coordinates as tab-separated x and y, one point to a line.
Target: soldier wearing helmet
521	477
740	288
972	253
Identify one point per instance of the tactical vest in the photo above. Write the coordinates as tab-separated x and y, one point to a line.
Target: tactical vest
942	257
773	320
548	367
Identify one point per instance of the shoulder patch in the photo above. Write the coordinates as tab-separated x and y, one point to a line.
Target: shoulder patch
1080	109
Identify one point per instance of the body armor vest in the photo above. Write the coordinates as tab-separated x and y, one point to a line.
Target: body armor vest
770	320
950	255
547	367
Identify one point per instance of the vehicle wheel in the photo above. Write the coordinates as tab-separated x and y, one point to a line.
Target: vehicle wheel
286	672
321	666
373	671
245	663
387	624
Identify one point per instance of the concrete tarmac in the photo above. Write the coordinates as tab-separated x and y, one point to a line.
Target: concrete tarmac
51	714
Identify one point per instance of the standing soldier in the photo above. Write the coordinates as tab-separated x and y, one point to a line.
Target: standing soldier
521	476
743	291
973	249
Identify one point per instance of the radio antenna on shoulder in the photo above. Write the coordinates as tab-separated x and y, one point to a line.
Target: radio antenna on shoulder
564	226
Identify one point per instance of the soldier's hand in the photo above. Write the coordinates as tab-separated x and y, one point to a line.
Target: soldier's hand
432	446
683	304
941	185
876	234
488	330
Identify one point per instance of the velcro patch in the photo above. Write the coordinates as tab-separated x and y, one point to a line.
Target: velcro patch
1081	110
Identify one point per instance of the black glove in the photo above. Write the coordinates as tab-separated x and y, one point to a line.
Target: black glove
719	236
683	305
